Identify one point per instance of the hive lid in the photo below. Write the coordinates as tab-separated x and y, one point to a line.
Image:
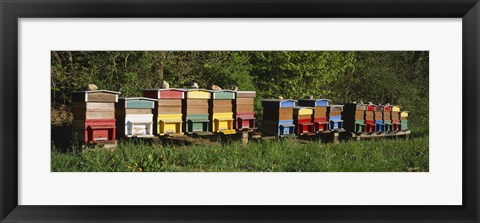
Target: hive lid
99	91
137	98
245	91
320	99
277	100
195	89
215	91
165	89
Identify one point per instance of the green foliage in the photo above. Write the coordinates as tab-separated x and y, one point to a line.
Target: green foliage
265	156
395	77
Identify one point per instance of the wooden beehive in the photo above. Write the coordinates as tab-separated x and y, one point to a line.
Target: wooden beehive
335	120
168	115
94	116
303	120
196	111
221	111
379	124
395	117
134	116
243	110
278	117
404	120
370	118
320	118
387	118
354	117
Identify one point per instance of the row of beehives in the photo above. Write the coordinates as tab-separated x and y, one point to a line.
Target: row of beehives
312	116
100	116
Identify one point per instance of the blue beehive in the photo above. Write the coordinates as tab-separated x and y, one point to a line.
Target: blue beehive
335	117
336	122
380	125
278	117
379	122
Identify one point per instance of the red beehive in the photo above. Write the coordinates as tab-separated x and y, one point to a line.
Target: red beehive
370	118
94	116
302	117
243	110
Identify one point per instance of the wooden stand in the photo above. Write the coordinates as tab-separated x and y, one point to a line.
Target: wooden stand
363	136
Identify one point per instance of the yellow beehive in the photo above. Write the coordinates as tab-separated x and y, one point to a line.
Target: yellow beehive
223	122
198	94
169	124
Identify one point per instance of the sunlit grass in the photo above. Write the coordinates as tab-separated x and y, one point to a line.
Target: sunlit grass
388	155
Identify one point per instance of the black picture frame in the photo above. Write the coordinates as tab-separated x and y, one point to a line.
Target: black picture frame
11	11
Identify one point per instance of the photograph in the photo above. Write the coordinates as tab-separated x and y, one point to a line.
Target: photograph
239	111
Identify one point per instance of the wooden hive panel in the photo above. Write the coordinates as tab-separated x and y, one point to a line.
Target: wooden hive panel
379	108
245	94
90	106
196	102
369	115
244	101
395	115
169	102
244	108
361	107
169	110
359	114
320	111
378	115
222	109
335	108
221	103
92	110
196	110
387	115
101	97
169	106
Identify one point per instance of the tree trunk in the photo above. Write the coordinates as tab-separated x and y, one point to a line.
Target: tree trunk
161	63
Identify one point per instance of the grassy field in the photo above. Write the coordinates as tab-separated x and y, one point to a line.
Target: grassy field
388	155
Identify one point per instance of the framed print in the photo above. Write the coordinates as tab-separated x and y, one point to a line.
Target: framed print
239	111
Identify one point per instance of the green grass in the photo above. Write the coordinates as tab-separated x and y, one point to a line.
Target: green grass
387	155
